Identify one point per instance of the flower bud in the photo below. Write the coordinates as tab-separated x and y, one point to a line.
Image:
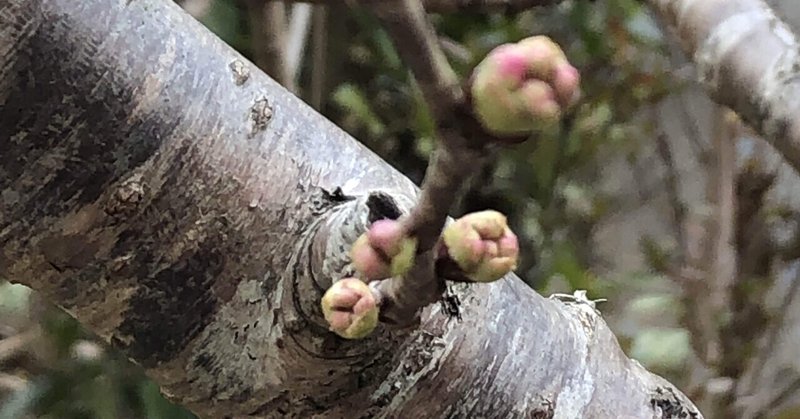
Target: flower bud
350	308
482	245
383	251
519	88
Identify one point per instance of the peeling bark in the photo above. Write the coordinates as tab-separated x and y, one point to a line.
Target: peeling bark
193	217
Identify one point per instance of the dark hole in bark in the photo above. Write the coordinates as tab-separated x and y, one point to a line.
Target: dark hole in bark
382	206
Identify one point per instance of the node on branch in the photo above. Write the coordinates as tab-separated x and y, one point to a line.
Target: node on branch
384	250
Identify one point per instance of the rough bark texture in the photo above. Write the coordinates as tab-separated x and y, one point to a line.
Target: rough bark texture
189	210
764	89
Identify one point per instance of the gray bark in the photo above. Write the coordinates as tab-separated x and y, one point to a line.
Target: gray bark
189	210
721	35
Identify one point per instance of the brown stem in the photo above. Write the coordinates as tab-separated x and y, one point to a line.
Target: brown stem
402	297
415	40
460	154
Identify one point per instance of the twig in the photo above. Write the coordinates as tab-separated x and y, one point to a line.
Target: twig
773	333
683	74
460	154
693	131
416	41
402	297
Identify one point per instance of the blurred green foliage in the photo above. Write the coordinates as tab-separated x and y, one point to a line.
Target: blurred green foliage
546	186
69	374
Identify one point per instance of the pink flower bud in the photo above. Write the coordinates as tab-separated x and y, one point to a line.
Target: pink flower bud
350	308
383	251
519	88
482	245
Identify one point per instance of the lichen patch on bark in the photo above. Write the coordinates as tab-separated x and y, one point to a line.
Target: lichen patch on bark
241	72
260	115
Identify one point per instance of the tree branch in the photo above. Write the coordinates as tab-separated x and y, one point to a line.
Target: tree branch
457	157
415	39
268	27
764	89
472	6
722	227
319	56
297	34
484	6
175	206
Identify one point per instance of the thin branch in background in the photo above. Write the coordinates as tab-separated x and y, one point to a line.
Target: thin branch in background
14	345
472	6
299	27
319	56
770	342
672	185
455	50
12	383
707	303
788	392
269	32
683	74
484	6
722	228
693	133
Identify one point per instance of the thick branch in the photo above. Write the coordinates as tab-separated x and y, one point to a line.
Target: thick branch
748	59
172	198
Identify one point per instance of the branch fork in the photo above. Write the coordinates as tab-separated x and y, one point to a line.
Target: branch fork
515	91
